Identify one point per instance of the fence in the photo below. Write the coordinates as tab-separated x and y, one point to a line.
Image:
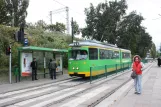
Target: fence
106	70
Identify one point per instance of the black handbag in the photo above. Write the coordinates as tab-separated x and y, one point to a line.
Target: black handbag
133	75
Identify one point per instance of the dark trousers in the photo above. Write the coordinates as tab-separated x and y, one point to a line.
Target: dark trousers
159	62
34	74
53	73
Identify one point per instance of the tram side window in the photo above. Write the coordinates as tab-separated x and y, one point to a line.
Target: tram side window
116	55
102	54
106	54
110	54
93	54
125	55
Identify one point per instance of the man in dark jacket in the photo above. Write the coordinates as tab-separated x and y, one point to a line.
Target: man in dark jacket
34	69
159	61
52	68
49	68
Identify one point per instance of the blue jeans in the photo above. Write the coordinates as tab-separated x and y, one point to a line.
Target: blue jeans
137	84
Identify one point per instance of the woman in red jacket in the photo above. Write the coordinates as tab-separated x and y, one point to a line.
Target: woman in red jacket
137	66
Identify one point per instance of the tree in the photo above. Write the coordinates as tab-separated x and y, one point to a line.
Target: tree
88	31
41	24
58	27
153	51
18	9
5	18
108	22
131	35
103	20
76	27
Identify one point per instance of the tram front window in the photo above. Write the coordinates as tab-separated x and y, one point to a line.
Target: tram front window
78	55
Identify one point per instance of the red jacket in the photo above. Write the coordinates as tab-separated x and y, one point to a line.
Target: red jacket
137	68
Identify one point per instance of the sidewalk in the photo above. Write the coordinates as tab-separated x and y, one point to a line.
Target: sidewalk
151	92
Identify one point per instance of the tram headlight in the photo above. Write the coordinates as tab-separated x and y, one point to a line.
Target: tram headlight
73	68
77	68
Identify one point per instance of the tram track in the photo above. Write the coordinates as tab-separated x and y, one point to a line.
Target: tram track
113	91
63	88
90	88
49	92
97	85
61	84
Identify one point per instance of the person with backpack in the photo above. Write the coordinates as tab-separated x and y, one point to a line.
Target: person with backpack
34	69
52	67
49	66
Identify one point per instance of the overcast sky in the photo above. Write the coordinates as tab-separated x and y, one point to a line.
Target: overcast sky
150	10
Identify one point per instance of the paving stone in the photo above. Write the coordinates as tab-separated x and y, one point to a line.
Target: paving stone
151	92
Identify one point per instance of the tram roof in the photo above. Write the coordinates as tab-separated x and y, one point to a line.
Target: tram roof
96	43
91	43
34	48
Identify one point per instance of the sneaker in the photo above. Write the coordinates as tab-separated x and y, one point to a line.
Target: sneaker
136	93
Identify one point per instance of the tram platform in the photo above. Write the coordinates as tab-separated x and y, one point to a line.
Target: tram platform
151	92
28	83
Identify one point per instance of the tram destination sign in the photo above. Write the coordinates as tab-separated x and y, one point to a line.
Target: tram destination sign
76	48
76	43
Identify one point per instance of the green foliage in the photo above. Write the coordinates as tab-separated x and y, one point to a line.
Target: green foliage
131	35
58	27
55	40
4	18
153	51
6	35
18	8
40	24
108	22
75	27
37	37
102	21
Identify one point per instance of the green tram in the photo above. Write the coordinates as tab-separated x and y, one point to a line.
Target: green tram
85	54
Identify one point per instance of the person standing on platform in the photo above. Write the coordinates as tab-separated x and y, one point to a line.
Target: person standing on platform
34	69
137	66
49	67
52	68
159	61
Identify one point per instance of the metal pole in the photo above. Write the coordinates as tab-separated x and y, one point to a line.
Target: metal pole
67	19
44	65
72	30
90	75
10	74
106	70
116	68
50	17
19	68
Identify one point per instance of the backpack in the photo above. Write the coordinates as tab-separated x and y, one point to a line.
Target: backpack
53	65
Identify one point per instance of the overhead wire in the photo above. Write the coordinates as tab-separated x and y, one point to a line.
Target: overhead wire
156	18
68	7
